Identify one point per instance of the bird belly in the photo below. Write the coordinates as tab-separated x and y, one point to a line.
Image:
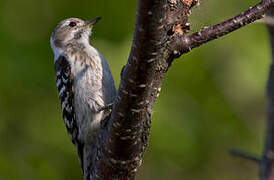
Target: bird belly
88	100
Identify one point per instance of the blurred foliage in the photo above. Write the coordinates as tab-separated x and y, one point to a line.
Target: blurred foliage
212	98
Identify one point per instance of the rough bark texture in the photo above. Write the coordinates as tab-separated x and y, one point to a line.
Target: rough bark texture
126	136
160	37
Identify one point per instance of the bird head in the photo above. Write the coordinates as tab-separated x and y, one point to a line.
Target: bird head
72	30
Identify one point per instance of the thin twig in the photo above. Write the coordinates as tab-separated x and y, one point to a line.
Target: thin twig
244	155
186	43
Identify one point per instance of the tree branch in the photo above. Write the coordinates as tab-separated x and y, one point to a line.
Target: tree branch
244	155
184	44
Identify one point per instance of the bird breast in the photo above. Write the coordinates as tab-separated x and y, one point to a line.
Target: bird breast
88	94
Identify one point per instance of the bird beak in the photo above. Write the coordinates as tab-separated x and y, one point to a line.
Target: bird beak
92	22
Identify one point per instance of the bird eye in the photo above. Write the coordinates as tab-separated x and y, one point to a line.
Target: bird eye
72	24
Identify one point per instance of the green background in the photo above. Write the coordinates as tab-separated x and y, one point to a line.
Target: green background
212	99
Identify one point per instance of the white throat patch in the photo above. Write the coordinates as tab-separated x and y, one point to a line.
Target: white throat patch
57	51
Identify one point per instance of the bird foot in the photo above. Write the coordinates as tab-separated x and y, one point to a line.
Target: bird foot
107	114
107	107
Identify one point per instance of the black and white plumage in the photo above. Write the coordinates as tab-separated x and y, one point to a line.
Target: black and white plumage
84	82
64	83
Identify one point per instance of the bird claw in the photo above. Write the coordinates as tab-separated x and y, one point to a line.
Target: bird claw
104	108
106	115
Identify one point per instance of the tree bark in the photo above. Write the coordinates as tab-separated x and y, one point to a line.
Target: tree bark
160	37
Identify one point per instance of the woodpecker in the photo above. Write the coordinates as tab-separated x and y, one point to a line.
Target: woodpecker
84	82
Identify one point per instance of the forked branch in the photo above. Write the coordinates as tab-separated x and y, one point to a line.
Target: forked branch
186	43
160	36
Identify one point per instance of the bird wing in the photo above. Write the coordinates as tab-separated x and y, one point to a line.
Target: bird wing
64	82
